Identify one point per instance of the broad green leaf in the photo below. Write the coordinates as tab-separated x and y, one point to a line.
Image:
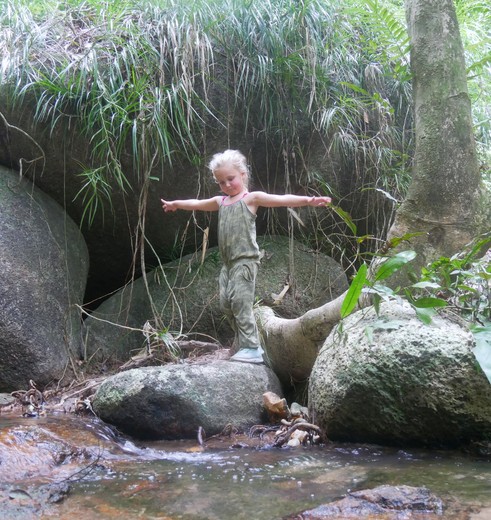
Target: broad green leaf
393	264
467	288
354	291
482	244
409	296
425	314
428	303
482	350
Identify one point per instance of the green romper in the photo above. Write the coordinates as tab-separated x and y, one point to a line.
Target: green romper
237	282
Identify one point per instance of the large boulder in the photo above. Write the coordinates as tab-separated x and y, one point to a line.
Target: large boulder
173	401
43	271
111	237
184	296
389	379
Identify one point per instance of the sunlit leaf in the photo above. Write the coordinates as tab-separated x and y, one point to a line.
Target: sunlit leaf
345	216
383	290
426	285
354	291
395	241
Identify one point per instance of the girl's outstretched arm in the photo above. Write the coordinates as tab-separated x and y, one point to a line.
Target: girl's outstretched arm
268	200
191	204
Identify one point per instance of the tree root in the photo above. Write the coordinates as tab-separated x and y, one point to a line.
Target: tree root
32	400
314	434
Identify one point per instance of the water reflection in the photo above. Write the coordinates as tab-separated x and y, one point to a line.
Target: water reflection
175	480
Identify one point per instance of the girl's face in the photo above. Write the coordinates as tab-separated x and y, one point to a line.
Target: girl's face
230	180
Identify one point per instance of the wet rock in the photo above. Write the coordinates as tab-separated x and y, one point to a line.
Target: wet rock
174	401
390	379
275	406
57	492
6	400
385	502
30	451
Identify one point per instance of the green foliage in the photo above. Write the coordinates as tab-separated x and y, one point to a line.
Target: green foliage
460	284
126	77
345	217
393	264
95	191
161	342
354	292
362	282
474	18
464	281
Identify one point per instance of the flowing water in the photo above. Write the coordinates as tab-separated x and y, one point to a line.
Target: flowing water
112	477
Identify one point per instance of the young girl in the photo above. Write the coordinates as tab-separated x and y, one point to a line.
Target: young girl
237	242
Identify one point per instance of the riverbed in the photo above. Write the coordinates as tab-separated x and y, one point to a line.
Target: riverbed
65	466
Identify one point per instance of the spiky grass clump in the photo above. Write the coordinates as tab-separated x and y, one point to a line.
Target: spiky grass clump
138	73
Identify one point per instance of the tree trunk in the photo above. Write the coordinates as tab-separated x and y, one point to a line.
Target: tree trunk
444	200
292	344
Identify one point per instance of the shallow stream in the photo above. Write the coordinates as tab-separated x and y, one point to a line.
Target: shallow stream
112	477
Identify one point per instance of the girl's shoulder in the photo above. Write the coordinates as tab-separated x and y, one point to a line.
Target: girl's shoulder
254	196
254	200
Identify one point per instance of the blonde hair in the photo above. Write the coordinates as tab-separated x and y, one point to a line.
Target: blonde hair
232	158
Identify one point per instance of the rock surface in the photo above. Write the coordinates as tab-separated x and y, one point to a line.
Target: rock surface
384	502
389	379
110	239
43	271
174	401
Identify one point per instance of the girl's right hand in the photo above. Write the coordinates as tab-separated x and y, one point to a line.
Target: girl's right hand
168	205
